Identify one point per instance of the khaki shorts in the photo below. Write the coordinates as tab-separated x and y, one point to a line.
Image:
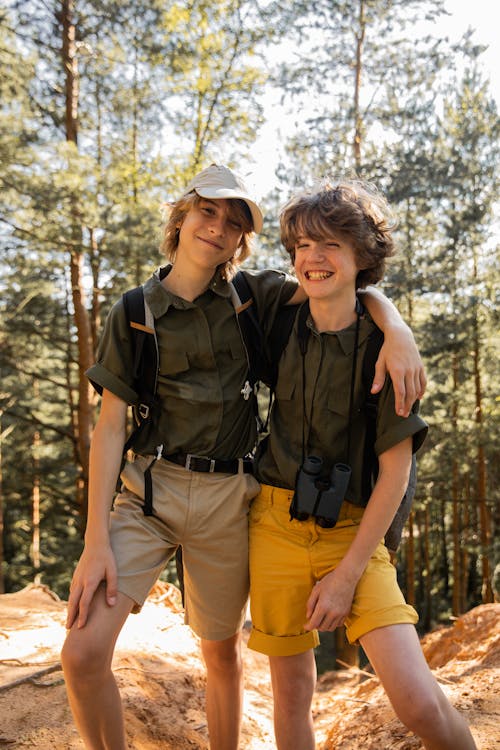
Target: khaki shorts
205	513
288	557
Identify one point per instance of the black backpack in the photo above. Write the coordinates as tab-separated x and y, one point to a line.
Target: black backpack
263	358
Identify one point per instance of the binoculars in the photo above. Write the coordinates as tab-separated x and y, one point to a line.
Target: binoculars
318	497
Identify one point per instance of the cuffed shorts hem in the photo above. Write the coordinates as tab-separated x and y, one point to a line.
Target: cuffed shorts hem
401	614
278	645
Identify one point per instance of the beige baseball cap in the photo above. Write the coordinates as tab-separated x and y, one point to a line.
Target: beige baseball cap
218	182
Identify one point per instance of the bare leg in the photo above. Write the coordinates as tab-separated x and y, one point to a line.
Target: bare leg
92	691
416	697
293	679
224	693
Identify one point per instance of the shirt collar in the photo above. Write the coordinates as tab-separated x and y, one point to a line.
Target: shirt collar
160	299
347	336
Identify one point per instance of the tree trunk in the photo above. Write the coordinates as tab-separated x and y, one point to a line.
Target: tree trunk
464	552
81	317
484	512
455	496
358	122
427	566
3	434
35	496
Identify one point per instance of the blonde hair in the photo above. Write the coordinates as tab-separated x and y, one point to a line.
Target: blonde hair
350	208
238	211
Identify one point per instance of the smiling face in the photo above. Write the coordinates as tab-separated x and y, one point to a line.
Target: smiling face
326	267
350	212
210	233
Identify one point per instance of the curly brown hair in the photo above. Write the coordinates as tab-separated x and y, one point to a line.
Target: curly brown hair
351	208
177	211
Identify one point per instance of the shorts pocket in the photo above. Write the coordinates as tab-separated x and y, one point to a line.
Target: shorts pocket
258	509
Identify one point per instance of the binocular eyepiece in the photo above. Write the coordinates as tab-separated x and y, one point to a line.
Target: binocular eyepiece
318	497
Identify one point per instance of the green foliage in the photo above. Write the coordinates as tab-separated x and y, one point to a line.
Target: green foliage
165	88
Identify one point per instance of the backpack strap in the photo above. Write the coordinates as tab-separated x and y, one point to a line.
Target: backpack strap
145	373
248	321
370	462
145	349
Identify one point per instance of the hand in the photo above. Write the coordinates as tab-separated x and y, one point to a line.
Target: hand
93	568
400	358
330	602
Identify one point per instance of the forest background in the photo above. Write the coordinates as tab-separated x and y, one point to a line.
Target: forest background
108	108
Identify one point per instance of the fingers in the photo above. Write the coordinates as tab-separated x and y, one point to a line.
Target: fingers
312	601
421	383
322	615
111	586
83	609
324	620
409	389
74	598
379	375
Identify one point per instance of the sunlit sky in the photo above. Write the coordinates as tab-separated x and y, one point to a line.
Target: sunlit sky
482	15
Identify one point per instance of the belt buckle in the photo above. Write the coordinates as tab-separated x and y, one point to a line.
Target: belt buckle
191	456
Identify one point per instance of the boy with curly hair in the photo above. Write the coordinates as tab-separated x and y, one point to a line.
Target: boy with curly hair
317	554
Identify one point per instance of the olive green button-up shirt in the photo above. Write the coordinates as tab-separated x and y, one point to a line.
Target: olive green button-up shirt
203	366
317	412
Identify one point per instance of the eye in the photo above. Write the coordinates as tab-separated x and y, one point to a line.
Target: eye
235	225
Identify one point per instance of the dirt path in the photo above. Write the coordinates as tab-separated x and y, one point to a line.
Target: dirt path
161	679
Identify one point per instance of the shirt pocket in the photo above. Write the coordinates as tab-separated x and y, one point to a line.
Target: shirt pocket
173	363
338	402
285	389
237	350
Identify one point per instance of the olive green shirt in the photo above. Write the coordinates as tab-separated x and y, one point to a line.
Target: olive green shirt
328	373
202	366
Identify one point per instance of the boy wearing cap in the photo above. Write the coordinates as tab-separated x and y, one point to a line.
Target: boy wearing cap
317	556
194	448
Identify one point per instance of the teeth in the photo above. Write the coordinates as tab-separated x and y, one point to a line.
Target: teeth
318	275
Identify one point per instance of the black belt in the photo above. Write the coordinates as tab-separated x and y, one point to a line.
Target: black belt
210	465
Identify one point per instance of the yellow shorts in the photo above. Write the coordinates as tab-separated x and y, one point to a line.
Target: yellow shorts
288	557
205	513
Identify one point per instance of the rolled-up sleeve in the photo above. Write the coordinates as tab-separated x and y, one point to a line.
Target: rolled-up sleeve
113	368
392	429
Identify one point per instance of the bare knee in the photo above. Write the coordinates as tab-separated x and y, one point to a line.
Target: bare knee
294	680
222	656
423	712
83	657
293	697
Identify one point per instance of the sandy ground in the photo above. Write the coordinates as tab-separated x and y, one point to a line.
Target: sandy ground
161	679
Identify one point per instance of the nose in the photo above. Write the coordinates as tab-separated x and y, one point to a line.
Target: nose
218	224
316	251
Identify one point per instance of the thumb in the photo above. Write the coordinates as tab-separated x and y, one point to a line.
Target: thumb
379	375
311	602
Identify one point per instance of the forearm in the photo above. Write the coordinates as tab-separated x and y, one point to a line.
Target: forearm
381	508
106	452
383	312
